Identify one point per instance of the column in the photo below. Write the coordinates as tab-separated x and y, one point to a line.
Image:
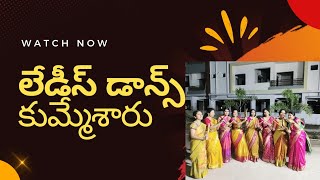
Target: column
272	102
253	104
212	104
194	103
304	98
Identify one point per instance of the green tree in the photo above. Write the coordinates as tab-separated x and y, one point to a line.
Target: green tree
291	103
241	100
229	104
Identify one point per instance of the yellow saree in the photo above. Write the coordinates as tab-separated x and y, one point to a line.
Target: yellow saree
239	142
252	137
280	139
214	150
198	154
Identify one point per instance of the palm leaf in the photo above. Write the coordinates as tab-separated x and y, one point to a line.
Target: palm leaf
292	103
278	106
306	108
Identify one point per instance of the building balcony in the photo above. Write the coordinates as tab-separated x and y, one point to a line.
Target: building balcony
286	83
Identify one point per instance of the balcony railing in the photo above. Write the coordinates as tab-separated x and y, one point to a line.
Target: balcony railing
286	82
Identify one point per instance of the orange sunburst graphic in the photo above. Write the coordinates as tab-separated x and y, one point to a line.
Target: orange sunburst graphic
228	27
7	172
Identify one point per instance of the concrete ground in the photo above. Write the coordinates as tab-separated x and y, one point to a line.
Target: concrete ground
235	170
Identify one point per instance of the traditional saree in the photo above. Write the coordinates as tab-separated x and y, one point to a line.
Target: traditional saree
297	150
252	137
225	138
241	151
198	154
267	136
214	151
280	140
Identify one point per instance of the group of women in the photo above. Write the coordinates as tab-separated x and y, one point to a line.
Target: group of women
213	141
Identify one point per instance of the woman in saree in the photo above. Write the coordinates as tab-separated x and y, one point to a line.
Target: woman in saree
214	151
238	138
198	154
266	123
252	136
225	135
298	137
280	139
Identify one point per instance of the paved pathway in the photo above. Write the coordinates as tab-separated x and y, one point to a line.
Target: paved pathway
235	170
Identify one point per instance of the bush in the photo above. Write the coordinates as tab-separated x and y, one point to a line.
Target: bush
313	135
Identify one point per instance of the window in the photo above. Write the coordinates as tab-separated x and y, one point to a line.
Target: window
201	105
284	79
314	67
315	105
187	81
219	105
280	100
263	75
224	75
214	76
261	104
240	79
188	105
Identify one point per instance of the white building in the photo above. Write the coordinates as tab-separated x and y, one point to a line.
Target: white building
209	84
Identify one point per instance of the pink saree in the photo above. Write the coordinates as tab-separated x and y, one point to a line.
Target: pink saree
225	138
267	136
297	150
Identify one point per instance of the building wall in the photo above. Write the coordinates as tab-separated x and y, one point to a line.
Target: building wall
213	85
314	119
218	85
249	69
221	81
250	75
222	88
296	67
194	79
313	77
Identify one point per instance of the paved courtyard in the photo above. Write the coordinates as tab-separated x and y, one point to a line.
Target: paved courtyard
235	170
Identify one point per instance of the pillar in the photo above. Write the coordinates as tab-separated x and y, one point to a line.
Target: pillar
253	104
212	104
